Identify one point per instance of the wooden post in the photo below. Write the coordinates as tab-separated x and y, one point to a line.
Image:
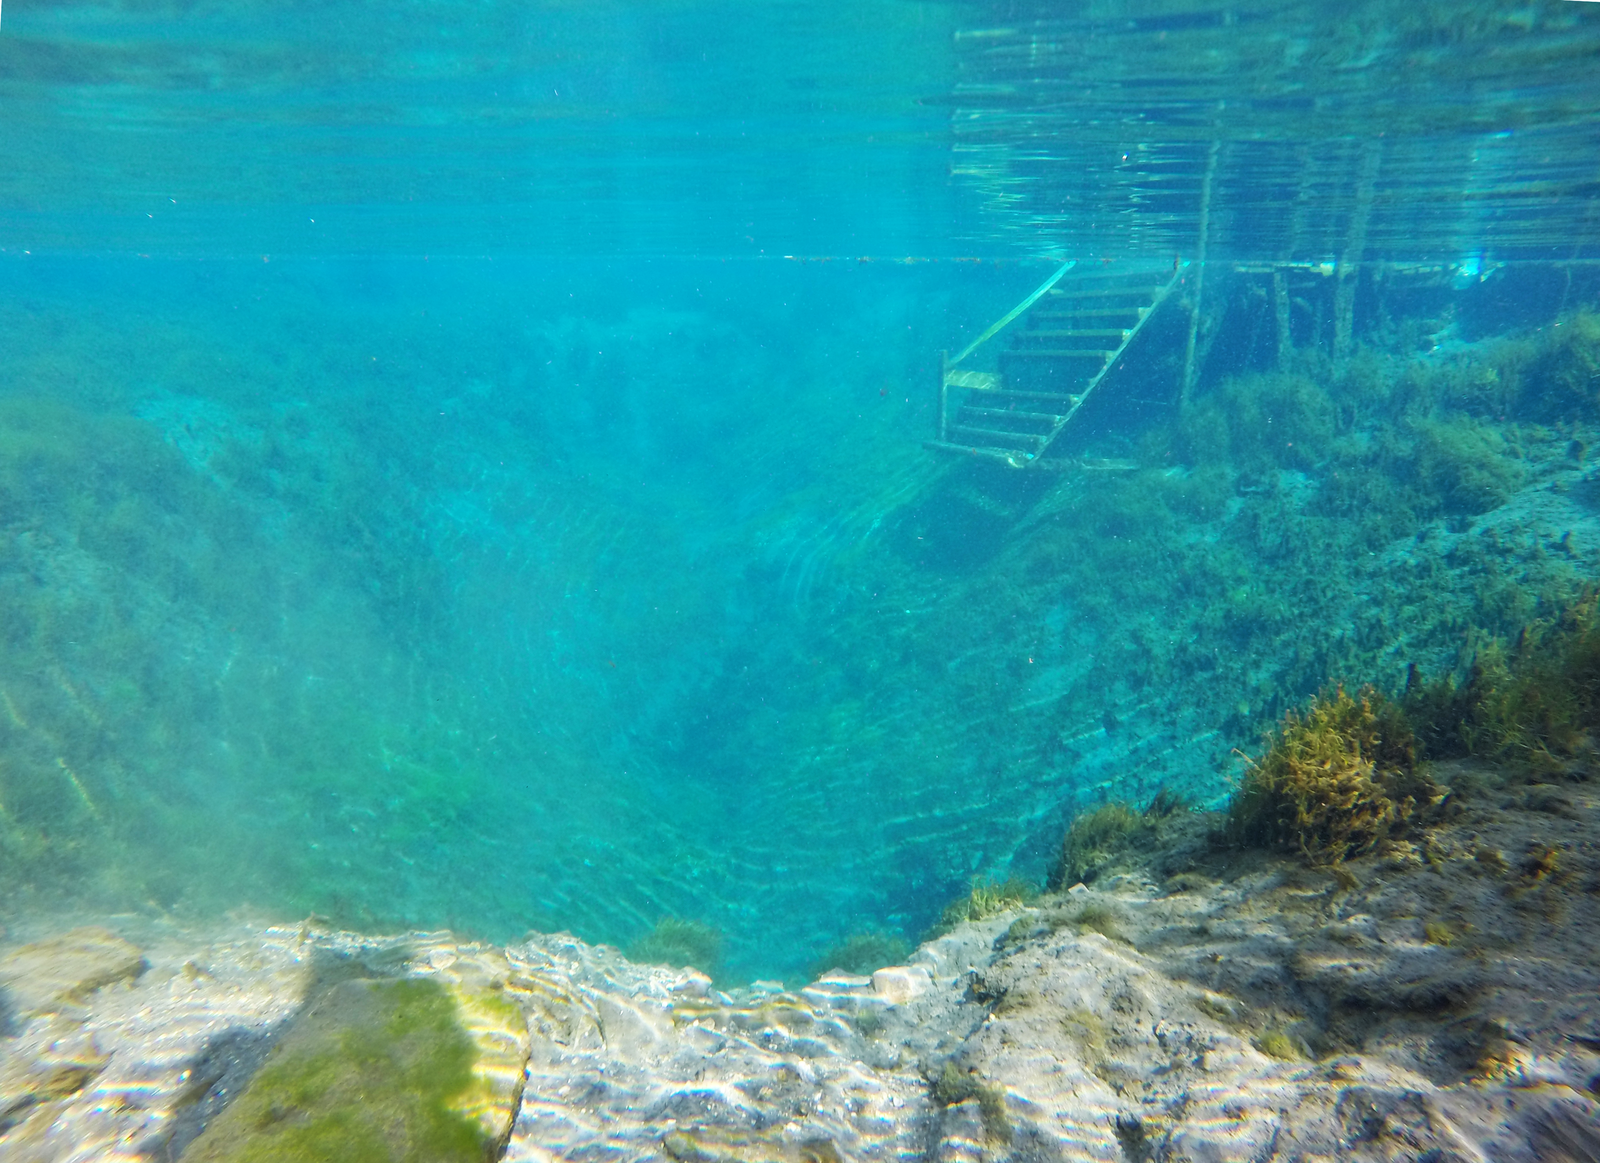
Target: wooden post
944	389
1344	293
1199	273
1280	309
1306	166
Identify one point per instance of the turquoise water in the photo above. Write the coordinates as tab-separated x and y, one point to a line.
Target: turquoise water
464	465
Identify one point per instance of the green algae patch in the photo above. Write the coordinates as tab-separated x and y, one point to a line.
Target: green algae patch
862	953
1112	837
371	1073
1275	1043
1093	836
675	942
1528	703
986	899
952	1086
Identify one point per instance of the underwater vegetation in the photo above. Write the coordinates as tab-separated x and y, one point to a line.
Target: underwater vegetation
1276	1043
985	899
1335	780
1560	378
1532	703
344	611
952	1085
1017	635
1090	838
1098	919
1341	776
1096	836
1259	423
677	943
320	609
861	953
195	659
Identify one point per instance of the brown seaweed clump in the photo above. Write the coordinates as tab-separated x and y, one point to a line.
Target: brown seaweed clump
1336	780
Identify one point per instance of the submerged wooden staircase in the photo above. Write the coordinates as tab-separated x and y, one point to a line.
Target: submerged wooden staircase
1079	325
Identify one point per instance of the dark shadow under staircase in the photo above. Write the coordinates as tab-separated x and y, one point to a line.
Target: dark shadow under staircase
1079	325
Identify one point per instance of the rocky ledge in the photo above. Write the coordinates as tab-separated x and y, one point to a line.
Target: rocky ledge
1438	1000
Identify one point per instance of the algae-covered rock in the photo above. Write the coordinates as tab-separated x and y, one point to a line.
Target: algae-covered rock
492	1012
373	1070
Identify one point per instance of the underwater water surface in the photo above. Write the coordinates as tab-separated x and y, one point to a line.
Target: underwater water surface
465	466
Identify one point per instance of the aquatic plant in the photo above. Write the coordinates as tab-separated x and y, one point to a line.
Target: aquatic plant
1099	919
1460	465
1216	1010
1275	1043
1542	863
1097	836
1491	859
986	899
1200	495
1166	803
1084	1027
1438	933
1090	838
1562	380
678	943
1334	781
1259	423
1530	704
862	953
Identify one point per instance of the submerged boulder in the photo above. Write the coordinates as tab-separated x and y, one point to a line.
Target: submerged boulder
425	1067
63	970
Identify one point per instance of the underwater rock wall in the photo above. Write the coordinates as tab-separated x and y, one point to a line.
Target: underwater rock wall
1437	998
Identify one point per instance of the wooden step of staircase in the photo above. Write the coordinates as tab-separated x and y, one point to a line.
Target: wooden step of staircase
1095	356
1042	316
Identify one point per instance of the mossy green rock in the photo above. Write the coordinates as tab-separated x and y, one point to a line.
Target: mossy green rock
372	1072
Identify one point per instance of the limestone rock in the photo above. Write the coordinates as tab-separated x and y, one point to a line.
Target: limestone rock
418	1056
492	1013
63	970
1424	1002
131	1071
901	983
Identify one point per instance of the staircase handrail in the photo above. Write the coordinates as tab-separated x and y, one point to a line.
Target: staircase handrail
1012	314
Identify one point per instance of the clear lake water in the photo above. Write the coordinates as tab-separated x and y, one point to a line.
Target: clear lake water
465	464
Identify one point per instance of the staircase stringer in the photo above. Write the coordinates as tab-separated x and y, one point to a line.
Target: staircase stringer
1128	336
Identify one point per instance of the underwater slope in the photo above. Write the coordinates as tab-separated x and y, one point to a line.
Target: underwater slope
1010	645
403	599
480	598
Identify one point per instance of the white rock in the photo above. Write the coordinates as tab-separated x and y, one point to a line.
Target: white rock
898	984
694	984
